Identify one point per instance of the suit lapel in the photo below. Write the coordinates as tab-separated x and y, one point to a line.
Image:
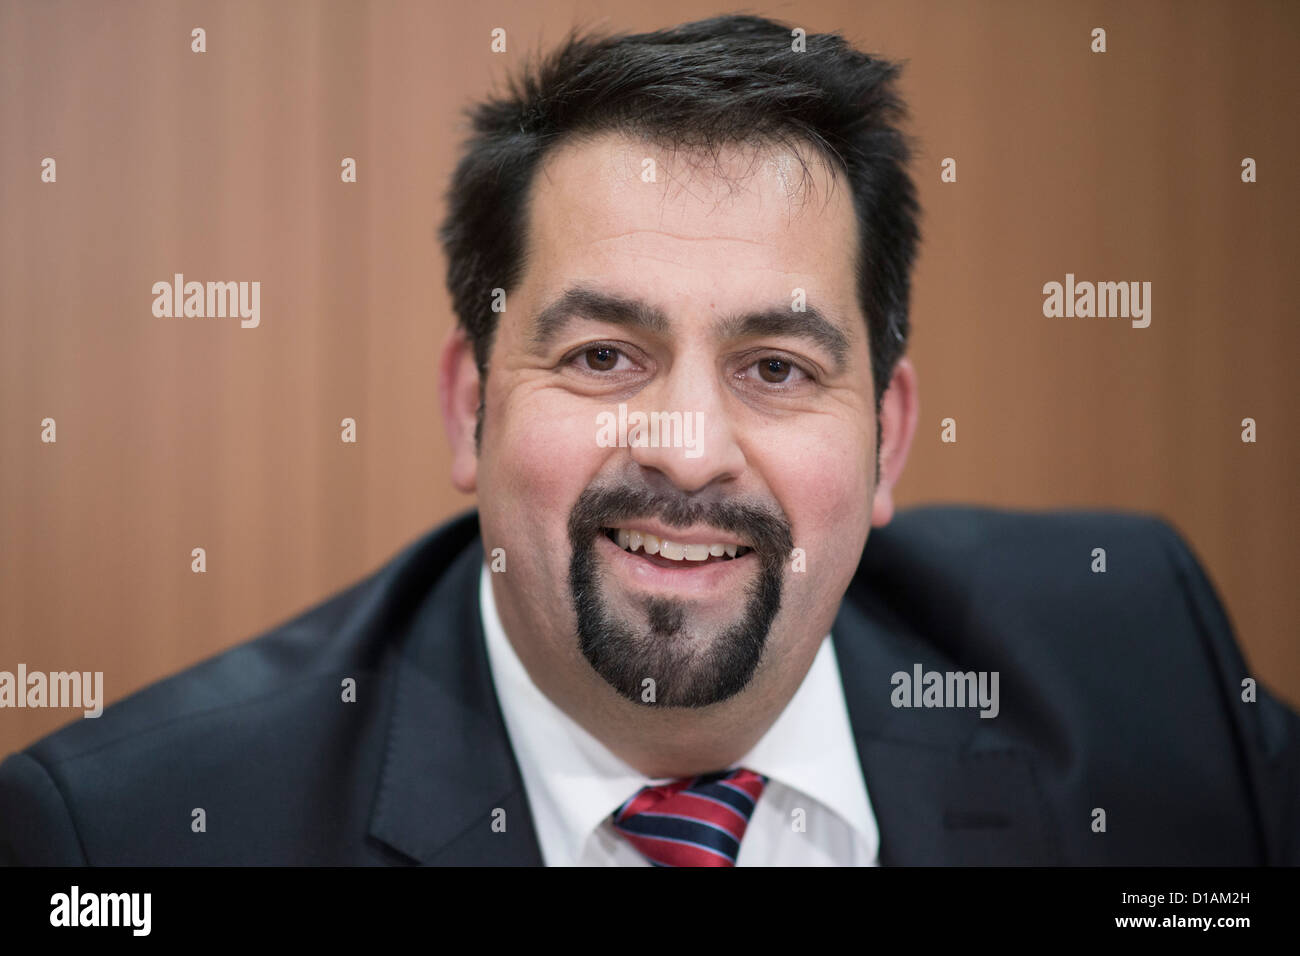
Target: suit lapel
449	780
946	787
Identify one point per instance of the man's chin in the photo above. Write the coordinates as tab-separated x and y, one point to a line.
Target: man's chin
667	652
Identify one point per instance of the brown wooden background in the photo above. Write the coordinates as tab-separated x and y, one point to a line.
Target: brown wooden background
225	166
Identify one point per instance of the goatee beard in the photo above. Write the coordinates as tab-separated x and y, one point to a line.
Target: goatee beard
667	661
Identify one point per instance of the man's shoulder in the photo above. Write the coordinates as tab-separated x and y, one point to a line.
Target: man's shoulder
1120	677
1061	598
949	563
349	632
268	714
1083	615
957	534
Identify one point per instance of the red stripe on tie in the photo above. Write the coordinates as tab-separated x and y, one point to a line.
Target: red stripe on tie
659	812
747	781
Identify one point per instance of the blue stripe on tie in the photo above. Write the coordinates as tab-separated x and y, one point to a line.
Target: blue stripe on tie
713	777
737	790
683	830
733	797
680	816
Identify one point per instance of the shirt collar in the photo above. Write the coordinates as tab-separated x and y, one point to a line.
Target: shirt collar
574	781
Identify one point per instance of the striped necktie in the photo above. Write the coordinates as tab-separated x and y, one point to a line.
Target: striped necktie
695	821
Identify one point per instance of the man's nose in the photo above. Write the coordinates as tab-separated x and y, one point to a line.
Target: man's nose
688	434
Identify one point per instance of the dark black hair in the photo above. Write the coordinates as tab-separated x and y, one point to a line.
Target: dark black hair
727	80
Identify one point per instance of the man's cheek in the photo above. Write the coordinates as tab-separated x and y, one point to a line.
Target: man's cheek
548	452
818	471
824	488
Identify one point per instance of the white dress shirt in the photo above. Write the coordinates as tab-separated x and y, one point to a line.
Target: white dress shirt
574	782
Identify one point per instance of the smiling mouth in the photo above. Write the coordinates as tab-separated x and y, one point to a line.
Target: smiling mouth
668	553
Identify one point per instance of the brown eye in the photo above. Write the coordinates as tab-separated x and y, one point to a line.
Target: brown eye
774	370
602	358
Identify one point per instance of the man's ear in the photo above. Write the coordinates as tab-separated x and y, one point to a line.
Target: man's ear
458	391
899	409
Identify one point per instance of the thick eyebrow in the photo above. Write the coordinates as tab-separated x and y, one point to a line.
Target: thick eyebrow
586	303
811	325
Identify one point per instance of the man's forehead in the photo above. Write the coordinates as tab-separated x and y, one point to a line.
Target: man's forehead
754	225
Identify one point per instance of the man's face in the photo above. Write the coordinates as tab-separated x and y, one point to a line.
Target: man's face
724	306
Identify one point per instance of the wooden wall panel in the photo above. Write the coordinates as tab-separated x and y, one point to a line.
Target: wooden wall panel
177	433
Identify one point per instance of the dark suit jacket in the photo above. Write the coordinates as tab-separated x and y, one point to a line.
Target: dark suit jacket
1119	691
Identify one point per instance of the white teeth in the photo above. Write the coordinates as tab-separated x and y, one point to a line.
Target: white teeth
631	540
673	552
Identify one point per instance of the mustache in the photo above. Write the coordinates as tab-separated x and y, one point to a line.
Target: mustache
766	528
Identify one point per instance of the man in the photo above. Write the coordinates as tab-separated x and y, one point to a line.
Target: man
681	263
